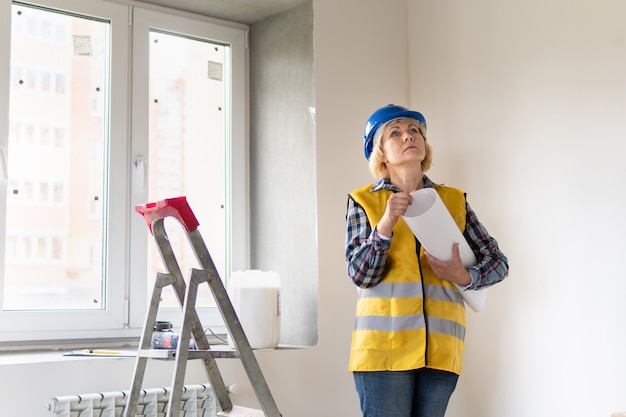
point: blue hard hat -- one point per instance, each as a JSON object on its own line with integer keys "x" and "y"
{"x": 382, "y": 116}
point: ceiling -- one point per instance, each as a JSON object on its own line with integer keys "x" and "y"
{"x": 241, "y": 11}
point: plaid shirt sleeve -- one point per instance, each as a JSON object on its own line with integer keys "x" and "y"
{"x": 366, "y": 250}
{"x": 492, "y": 264}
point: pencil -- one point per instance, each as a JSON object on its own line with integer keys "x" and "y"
{"x": 102, "y": 352}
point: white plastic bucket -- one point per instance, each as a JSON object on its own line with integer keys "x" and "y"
{"x": 255, "y": 296}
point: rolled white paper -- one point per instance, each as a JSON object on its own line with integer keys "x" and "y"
{"x": 431, "y": 222}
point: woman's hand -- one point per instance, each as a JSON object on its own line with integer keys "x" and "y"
{"x": 452, "y": 270}
{"x": 396, "y": 207}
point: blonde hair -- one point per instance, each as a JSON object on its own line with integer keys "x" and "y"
{"x": 376, "y": 164}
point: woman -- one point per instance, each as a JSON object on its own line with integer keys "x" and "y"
{"x": 407, "y": 343}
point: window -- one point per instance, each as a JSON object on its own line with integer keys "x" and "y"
{"x": 196, "y": 145}
{"x": 76, "y": 261}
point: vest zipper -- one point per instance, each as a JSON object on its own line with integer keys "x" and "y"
{"x": 418, "y": 246}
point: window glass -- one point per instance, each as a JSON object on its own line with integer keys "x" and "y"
{"x": 186, "y": 141}
{"x": 56, "y": 257}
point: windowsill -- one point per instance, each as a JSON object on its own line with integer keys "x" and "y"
{"x": 20, "y": 358}
{"x": 53, "y": 351}
{"x": 52, "y": 346}
{"x": 61, "y": 354}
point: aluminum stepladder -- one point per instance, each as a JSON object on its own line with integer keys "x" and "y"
{"x": 186, "y": 293}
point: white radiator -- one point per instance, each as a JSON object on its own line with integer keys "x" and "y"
{"x": 197, "y": 401}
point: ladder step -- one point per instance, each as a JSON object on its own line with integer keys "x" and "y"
{"x": 237, "y": 411}
{"x": 193, "y": 354}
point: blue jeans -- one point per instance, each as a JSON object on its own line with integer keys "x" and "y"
{"x": 418, "y": 393}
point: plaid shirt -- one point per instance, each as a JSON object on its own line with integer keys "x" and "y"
{"x": 366, "y": 249}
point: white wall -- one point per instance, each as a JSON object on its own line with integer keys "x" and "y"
{"x": 526, "y": 105}
{"x": 282, "y": 166}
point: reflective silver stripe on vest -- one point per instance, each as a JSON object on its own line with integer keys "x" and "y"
{"x": 411, "y": 289}
{"x": 437, "y": 292}
{"x": 392, "y": 290}
{"x": 436, "y": 325}
{"x": 389, "y": 324}
{"x": 416, "y": 321}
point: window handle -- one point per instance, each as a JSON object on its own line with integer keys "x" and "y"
{"x": 3, "y": 162}
{"x": 141, "y": 163}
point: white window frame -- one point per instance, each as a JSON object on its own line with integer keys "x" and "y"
{"x": 237, "y": 145}
{"x": 127, "y": 285}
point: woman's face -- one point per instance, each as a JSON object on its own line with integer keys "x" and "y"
{"x": 403, "y": 143}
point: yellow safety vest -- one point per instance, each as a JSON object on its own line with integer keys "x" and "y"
{"x": 411, "y": 319}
